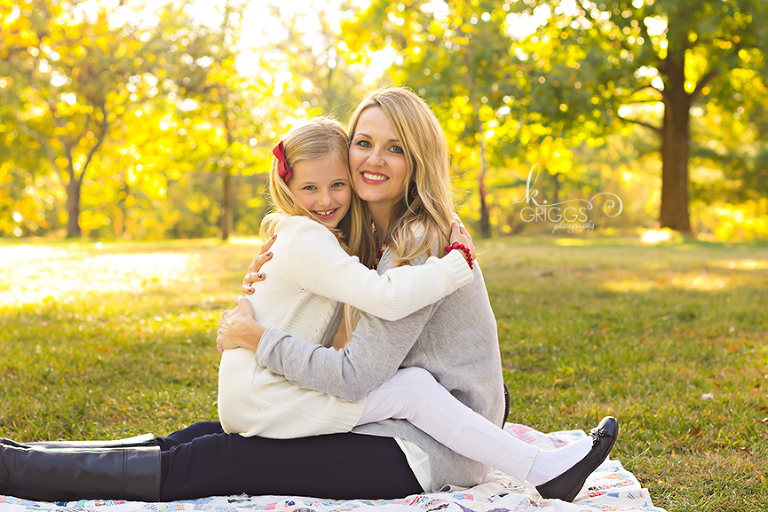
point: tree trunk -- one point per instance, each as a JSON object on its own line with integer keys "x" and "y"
{"x": 675, "y": 134}
{"x": 73, "y": 208}
{"x": 226, "y": 204}
{"x": 485, "y": 218}
{"x": 122, "y": 216}
{"x": 227, "y": 200}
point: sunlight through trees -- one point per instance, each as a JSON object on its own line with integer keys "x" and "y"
{"x": 151, "y": 119}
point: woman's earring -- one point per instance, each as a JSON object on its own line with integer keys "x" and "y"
{"x": 414, "y": 191}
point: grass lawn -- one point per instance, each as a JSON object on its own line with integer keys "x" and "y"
{"x": 99, "y": 342}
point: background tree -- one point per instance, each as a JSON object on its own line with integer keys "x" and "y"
{"x": 210, "y": 79}
{"x": 670, "y": 52}
{"x": 71, "y": 64}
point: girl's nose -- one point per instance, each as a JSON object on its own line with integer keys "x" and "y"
{"x": 325, "y": 198}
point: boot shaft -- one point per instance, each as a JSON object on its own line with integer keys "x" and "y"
{"x": 71, "y": 474}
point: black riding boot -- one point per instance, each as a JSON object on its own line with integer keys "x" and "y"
{"x": 70, "y": 474}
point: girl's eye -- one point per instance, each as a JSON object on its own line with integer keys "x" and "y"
{"x": 308, "y": 187}
{"x": 339, "y": 184}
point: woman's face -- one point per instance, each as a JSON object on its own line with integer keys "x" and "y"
{"x": 322, "y": 187}
{"x": 377, "y": 160}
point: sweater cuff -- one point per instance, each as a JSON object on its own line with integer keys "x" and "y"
{"x": 456, "y": 263}
{"x": 269, "y": 339}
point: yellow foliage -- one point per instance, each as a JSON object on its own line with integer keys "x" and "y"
{"x": 735, "y": 222}
{"x": 72, "y": 31}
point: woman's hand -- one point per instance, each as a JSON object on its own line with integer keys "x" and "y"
{"x": 238, "y": 328}
{"x": 253, "y": 275}
{"x": 459, "y": 234}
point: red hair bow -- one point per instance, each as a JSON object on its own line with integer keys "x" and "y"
{"x": 284, "y": 171}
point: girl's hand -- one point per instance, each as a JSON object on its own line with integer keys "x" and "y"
{"x": 238, "y": 328}
{"x": 459, "y": 234}
{"x": 253, "y": 275}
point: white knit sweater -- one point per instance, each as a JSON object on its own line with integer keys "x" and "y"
{"x": 307, "y": 281}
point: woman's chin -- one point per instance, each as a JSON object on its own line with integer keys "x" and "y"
{"x": 378, "y": 200}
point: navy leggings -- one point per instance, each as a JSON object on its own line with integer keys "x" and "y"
{"x": 201, "y": 460}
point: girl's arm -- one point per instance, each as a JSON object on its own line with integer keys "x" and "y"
{"x": 316, "y": 262}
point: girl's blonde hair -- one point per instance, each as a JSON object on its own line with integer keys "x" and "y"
{"x": 317, "y": 139}
{"x": 429, "y": 211}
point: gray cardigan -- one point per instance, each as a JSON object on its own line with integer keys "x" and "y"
{"x": 455, "y": 339}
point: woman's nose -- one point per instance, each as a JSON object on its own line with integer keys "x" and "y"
{"x": 375, "y": 159}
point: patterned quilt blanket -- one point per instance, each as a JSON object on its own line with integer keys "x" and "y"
{"x": 610, "y": 488}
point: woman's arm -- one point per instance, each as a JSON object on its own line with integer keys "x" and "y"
{"x": 374, "y": 354}
{"x": 316, "y": 262}
{"x": 238, "y": 328}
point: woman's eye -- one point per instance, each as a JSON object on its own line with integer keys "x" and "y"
{"x": 397, "y": 149}
{"x": 364, "y": 143}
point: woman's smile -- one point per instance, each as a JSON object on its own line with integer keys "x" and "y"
{"x": 373, "y": 178}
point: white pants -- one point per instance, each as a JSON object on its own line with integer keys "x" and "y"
{"x": 413, "y": 394}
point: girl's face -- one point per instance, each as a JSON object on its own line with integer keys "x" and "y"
{"x": 322, "y": 187}
{"x": 377, "y": 160}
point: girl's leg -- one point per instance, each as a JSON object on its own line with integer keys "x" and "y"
{"x": 413, "y": 394}
{"x": 338, "y": 466}
{"x": 187, "y": 434}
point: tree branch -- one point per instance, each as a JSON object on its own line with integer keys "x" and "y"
{"x": 646, "y": 36}
{"x": 642, "y": 123}
{"x": 104, "y": 125}
{"x": 45, "y": 143}
{"x": 642, "y": 88}
{"x": 84, "y": 133}
{"x": 703, "y": 83}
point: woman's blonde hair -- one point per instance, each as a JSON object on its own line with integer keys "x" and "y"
{"x": 428, "y": 211}
{"x": 316, "y": 139}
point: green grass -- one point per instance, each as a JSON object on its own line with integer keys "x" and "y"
{"x": 672, "y": 339}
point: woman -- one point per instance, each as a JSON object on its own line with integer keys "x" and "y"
{"x": 407, "y": 189}
{"x": 399, "y": 167}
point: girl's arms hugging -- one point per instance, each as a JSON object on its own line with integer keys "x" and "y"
{"x": 311, "y": 257}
